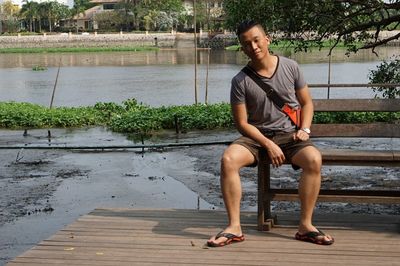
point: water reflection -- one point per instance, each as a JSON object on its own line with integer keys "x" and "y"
{"x": 181, "y": 56}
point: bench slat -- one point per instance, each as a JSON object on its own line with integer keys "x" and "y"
{"x": 347, "y": 155}
{"x": 342, "y": 198}
{"x": 377, "y": 130}
{"x": 358, "y": 157}
{"x": 356, "y": 196}
{"x": 357, "y": 105}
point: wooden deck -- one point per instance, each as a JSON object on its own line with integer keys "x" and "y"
{"x": 177, "y": 237}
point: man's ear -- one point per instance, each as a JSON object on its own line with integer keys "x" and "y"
{"x": 268, "y": 38}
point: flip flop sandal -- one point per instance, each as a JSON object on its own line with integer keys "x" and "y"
{"x": 230, "y": 238}
{"x": 314, "y": 237}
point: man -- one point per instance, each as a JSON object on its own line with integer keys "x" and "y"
{"x": 264, "y": 125}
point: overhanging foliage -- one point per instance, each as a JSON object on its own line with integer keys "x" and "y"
{"x": 356, "y": 23}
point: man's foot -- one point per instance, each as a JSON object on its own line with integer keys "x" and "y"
{"x": 223, "y": 239}
{"x": 316, "y": 237}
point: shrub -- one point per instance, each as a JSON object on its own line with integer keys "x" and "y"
{"x": 387, "y": 72}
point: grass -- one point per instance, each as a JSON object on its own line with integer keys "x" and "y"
{"x": 292, "y": 44}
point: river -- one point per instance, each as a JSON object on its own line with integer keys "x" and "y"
{"x": 164, "y": 77}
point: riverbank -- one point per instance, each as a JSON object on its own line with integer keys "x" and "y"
{"x": 69, "y": 40}
{"x": 145, "y": 39}
{"x": 41, "y": 191}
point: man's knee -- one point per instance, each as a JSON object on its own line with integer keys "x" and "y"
{"x": 228, "y": 162}
{"x": 309, "y": 159}
{"x": 235, "y": 157}
{"x": 314, "y": 161}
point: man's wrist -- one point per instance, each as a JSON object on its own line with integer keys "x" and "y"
{"x": 307, "y": 130}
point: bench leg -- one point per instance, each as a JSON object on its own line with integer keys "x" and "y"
{"x": 264, "y": 215}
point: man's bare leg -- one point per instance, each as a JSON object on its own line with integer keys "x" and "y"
{"x": 234, "y": 158}
{"x": 309, "y": 159}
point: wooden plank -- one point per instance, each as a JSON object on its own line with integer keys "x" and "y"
{"x": 373, "y": 130}
{"x": 148, "y": 237}
{"x": 347, "y": 155}
{"x": 355, "y": 157}
{"x": 338, "y": 198}
{"x": 357, "y": 105}
{"x": 396, "y": 155}
{"x": 205, "y": 257}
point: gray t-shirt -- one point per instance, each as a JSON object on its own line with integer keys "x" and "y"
{"x": 262, "y": 113}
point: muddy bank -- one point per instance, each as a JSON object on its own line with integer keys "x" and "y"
{"x": 41, "y": 191}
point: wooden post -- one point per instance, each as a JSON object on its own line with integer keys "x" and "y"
{"x": 195, "y": 52}
{"x": 208, "y": 66}
{"x": 264, "y": 217}
{"x": 329, "y": 76}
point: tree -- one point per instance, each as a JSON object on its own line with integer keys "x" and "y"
{"x": 166, "y": 12}
{"x": 356, "y": 23}
{"x": 79, "y": 7}
{"x": 109, "y": 21}
{"x": 50, "y": 12}
{"x": 124, "y": 7}
{"x": 29, "y": 12}
{"x": 9, "y": 16}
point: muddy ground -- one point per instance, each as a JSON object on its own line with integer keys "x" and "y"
{"x": 41, "y": 191}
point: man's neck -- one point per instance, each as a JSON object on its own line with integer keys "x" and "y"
{"x": 266, "y": 66}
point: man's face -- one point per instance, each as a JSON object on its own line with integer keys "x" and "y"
{"x": 254, "y": 43}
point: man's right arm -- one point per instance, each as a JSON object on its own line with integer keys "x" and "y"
{"x": 240, "y": 116}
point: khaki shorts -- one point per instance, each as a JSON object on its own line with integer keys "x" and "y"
{"x": 284, "y": 140}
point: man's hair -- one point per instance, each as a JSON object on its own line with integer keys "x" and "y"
{"x": 245, "y": 26}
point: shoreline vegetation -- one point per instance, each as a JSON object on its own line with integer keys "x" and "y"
{"x": 292, "y": 44}
{"x": 137, "y": 118}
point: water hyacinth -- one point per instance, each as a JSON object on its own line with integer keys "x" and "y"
{"x": 134, "y": 117}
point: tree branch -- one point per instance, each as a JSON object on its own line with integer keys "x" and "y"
{"x": 381, "y": 42}
{"x": 366, "y": 26}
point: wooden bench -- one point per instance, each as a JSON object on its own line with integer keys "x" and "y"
{"x": 387, "y": 158}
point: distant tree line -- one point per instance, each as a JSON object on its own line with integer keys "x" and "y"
{"x": 127, "y": 15}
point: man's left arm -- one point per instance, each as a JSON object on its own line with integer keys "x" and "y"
{"x": 307, "y": 112}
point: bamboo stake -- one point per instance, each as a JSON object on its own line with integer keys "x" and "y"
{"x": 195, "y": 52}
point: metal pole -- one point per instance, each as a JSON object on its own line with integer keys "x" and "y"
{"x": 195, "y": 52}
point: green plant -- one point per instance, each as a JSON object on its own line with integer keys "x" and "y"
{"x": 134, "y": 117}
{"x": 39, "y": 68}
{"x": 387, "y": 72}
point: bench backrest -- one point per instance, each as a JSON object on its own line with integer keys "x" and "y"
{"x": 377, "y": 129}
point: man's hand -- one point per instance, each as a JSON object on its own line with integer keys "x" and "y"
{"x": 275, "y": 154}
{"x": 301, "y": 135}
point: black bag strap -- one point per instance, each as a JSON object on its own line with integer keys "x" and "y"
{"x": 266, "y": 87}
